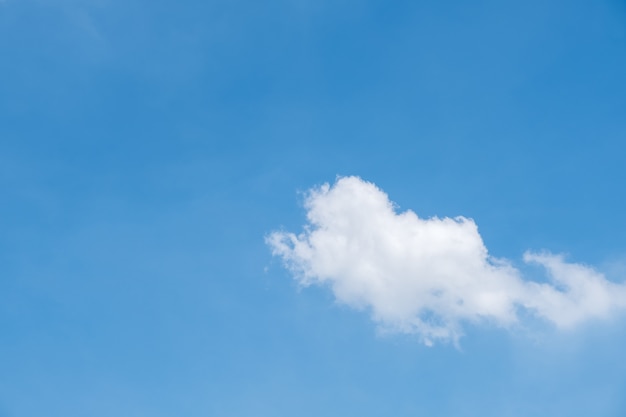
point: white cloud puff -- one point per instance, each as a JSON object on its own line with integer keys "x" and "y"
{"x": 429, "y": 276}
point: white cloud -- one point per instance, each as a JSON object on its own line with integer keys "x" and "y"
{"x": 429, "y": 276}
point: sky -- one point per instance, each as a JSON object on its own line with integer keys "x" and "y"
{"x": 312, "y": 208}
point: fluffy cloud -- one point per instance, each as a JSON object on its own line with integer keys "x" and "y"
{"x": 429, "y": 276}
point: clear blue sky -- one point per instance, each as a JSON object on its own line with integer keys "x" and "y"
{"x": 147, "y": 148}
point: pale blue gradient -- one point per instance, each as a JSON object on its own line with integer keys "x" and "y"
{"x": 147, "y": 148}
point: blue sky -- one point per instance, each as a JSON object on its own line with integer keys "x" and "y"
{"x": 148, "y": 149}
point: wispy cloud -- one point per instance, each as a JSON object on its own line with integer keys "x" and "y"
{"x": 429, "y": 276}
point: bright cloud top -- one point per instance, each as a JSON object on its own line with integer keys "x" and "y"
{"x": 429, "y": 276}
